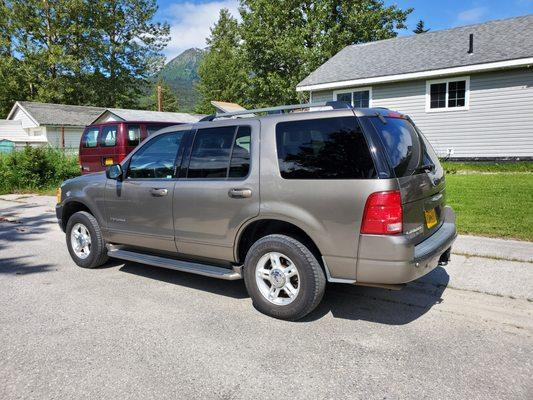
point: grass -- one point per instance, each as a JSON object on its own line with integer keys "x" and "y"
{"x": 492, "y": 200}
{"x": 487, "y": 167}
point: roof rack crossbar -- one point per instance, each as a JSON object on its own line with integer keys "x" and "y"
{"x": 279, "y": 109}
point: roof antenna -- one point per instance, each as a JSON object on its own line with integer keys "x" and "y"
{"x": 471, "y": 44}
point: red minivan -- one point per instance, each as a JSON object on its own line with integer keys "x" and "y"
{"x": 109, "y": 142}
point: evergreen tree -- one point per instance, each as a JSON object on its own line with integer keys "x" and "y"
{"x": 420, "y": 27}
{"x": 169, "y": 98}
{"x": 279, "y": 42}
{"x": 223, "y": 72}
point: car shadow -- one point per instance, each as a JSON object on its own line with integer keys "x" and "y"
{"x": 382, "y": 306}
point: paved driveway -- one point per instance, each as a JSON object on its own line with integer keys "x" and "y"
{"x": 128, "y": 331}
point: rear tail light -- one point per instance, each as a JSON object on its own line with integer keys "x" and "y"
{"x": 383, "y": 214}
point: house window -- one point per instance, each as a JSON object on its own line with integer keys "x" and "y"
{"x": 447, "y": 94}
{"x": 359, "y": 98}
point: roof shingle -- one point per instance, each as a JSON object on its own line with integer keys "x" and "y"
{"x": 494, "y": 41}
{"x": 61, "y": 114}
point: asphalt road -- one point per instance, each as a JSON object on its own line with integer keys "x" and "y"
{"x": 128, "y": 331}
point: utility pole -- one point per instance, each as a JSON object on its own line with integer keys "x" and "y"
{"x": 159, "y": 98}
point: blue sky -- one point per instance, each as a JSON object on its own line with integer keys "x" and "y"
{"x": 190, "y": 20}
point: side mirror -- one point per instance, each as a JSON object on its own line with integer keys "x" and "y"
{"x": 114, "y": 172}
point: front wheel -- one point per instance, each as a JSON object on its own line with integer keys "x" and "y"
{"x": 283, "y": 277}
{"x": 84, "y": 240}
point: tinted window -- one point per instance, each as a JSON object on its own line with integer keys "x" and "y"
{"x": 155, "y": 159}
{"x": 240, "y": 156}
{"x": 331, "y": 148}
{"x": 133, "y": 135}
{"x": 90, "y": 137}
{"x": 406, "y": 150}
{"x": 151, "y": 129}
{"x": 211, "y": 152}
{"x": 109, "y": 136}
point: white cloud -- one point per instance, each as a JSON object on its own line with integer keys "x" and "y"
{"x": 472, "y": 15}
{"x": 190, "y": 23}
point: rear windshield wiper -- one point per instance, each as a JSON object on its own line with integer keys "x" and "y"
{"x": 429, "y": 167}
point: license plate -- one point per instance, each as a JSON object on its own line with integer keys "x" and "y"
{"x": 431, "y": 218}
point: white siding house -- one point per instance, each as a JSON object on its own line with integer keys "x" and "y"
{"x": 469, "y": 89}
{"x": 57, "y": 125}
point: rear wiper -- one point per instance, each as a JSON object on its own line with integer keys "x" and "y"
{"x": 429, "y": 167}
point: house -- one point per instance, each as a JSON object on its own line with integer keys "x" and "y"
{"x": 13, "y": 136}
{"x": 58, "y": 125}
{"x": 122, "y": 115}
{"x": 61, "y": 125}
{"x": 469, "y": 89}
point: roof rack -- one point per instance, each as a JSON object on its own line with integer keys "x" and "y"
{"x": 335, "y": 105}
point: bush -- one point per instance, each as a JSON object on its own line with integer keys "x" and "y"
{"x": 36, "y": 169}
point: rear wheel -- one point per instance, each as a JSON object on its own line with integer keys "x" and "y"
{"x": 84, "y": 240}
{"x": 283, "y": 277}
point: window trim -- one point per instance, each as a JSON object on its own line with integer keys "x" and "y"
{"x": 447, "y": 81}
{"x": 356, "y": 89}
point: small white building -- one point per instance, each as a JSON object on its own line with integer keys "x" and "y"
{"x": 58, "y": 125}
{"x": 13, "y": 136}
{"x": 61, "y": 125}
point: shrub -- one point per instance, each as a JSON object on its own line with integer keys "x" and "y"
{"x": 36, "y": 169}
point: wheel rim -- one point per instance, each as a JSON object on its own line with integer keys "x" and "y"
{"x": 80, "y": 239}
{"x": 277, "y": 278}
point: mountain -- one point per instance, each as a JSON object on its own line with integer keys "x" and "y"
{"x": 180, "y": 73}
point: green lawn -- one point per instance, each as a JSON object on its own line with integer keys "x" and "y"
{"x": 492, "y": 203}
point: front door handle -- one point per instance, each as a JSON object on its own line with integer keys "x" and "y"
{"x": 237, "y": 193}
{"x": 158, "y": 192}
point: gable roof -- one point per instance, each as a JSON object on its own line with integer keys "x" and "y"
{"x": 493, "y": 42}
{"x": 122, "y": 114}
{"x": 57, "y": 114}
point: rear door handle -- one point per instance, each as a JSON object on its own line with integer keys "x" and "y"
{"x": 158, "y": 192}
{"x": 237, "y": 193}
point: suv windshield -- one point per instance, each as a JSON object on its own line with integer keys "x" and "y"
{"x": 408, "y": 151}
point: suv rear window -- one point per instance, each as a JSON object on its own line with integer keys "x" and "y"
{"x": 328, "y": 148}
{"x": 405, "y": 147}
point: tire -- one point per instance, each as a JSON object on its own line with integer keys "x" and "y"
{"x": 279, "y": 252}
{"x": 84, "y": 223}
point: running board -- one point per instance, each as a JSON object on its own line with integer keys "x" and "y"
{"x": 178, "y": 265}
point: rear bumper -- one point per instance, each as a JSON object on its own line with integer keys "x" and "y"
{"x": 395, "y": 259}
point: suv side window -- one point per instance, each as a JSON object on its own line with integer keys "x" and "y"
{"x": 240, "y": 156}
{"x": 327, "y": 148}
{"x": 90, "y": 138}
{"x": 213, "y": 148}
{"x": 156, "y": 159}
{"x": 109, "y": 136}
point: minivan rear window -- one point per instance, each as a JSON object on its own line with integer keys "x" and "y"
{"x": 90, "y": 138}
{"x": 109, "y": 136}
{"x": 327, "y": 148}
{"x": 405, "y": 148}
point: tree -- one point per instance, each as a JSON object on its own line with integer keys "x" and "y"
{"x": 285, "y": 40}
{"x": 420, "y": 27}
{"x": 85, "y": 52}
{"x": 223, "y": 72}
{"x": 279, "y": 42}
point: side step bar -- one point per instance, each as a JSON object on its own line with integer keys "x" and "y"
{"x": 178, "y": 265}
